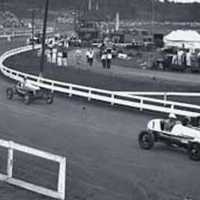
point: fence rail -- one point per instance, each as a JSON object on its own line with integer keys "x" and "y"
{"x": 130, "y": 99}
{"x": 8, "y": 177}
{"x": 22, "y": 33}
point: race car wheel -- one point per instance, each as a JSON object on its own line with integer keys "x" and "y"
{"x": 9, "y": 93}
{"x": 194, "y": 152}
{"x": 27, "y": 99}
{"x": 146, "y": 140}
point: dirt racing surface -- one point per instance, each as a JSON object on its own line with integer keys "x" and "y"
{"x": 104, "y": 161}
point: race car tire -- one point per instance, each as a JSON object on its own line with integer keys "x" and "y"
{"x": 9, "y": 93}
{"x": 146, "y": 140}
{"x": 194, "y": 151}
{"x": 27, "y": 99}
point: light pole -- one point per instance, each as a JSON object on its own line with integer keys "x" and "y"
{"x": 44, "y": 38}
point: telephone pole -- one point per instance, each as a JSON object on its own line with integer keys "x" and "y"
{"x": 33, "y": 27}
{"x": 44, "y": 38}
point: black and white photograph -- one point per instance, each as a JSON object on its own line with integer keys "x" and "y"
{"x": 99, "y": 99}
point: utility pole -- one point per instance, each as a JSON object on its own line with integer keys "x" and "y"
{"x": 152, "y": 16}
{"x": 117, "y": 23}
{"x": 33, "y": 27}
{"x": 44, "y": 38}
{"x": 89, "y": 5}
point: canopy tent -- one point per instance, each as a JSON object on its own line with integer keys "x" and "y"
{"x": 183, "y": 38}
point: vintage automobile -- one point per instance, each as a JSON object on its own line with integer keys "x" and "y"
{"x": 29, "y": 93}
{"x": 185, "y": 136}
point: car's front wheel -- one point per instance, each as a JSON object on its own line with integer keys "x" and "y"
{"x": 146, "y": 140}
{"x": 194, "y": 151}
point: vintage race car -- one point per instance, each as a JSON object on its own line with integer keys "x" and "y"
{"x": 180, "y": 135}
{"x": 29, "y": 93}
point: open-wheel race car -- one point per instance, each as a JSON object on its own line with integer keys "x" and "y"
{"x": 29, "y": 93}
{"x": 174, "y": 134}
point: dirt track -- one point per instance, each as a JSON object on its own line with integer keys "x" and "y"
{"x": 100, "y": 143}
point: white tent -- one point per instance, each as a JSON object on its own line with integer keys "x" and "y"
{"x": 183, "y": 38}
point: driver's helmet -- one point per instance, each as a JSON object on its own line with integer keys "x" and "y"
{"x": 172, "y": 116}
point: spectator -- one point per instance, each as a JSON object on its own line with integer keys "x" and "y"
{"x": 78, "y": 56}
{"x": 64, "y": 57}
{"x": 59, "y": 58}
{"x": 51, "y": 53}
{"x": 87, "y": 55}
{"x": 103, "y": 59}
{"x": 188, "y": 59}
{"x": 91, "y": 57}
{"x": 174, "y": 60}
{"x": 180, "y": 57}
{"x": 54, "y": 55}
{"x": 48, "y": 55}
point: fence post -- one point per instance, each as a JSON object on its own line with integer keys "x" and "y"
{"x": 112, "y": 99}
{"x": 52, "y": 86}
{"x": 172, "y": 108}
{"x": 62, "y": 178}
{"x": 70, "y": 91}
{"x": 10, "y": 160}
{"x": 165, "y": 99}
{"x": 89, "y": 95}
{"x": 141, "y": 104}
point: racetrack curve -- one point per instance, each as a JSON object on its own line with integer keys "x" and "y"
{"x": 100, "y": 143}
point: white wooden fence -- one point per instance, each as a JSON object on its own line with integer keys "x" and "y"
{"x": 23, "y": 33}
{"x": 8, "y": 177}
{"x": 133, "y": 100}
{"x": 163, "y": 95}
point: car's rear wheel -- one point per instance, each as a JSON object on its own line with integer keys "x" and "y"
{"x": 194, "y": 151}
{"x": 27, "y": 99}
{"x": 146, "y": 140}
{"x": 9, "y": 93}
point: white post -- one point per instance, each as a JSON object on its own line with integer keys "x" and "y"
{"x": 52, "y": 87}
{"x": 89, "y": 95}
{"x": 172, "y": 108}
{"x": 165, "y": 99}
{"x": 112, "y": 99}
{"x": 70, "y": 91}
{"x": 62, "y": 178}
{"x": 10, "y": 160}
{"x": 141, "y": 104}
